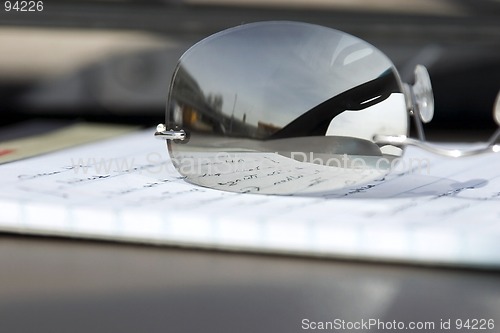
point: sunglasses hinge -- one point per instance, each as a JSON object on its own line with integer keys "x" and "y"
{"x": 163, "y": 133}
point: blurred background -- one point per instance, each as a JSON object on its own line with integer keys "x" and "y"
{"x": 111, "y": 61}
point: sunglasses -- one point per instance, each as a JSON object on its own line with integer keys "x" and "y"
{"x": 290, "y": 108}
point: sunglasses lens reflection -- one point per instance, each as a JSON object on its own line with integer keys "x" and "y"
{"x": 284, "y": 108}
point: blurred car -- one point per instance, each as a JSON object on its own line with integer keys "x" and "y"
{"x": 113, "y": 61}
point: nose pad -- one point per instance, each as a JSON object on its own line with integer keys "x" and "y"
{"x": 419, "y": 99}
{"x": 496, "y": 109}
{"x": 496, "y": 115}
{"x": 421, "y": 95}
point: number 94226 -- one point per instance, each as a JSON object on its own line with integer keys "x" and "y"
{"x": 23, "y": 6}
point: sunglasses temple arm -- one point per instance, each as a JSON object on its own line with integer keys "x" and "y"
{"x": 413, "y": 107}
{"x": 402, "y": 140}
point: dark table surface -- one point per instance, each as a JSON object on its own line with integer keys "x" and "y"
{"x": 58, "y": 285}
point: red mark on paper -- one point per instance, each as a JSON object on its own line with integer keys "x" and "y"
{"x": 6, "y": 151}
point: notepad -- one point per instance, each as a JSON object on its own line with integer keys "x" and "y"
{"x": 126, "y": 189}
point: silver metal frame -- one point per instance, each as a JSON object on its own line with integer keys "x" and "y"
{"x": 163, "y": 133}
{"x": 423, "y": 84}
{"x": 406, "y": 141}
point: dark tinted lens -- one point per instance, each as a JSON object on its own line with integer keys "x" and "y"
{"x": 284, "y": 107}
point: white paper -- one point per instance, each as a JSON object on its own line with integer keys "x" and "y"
{"x": 127, "y": 189}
